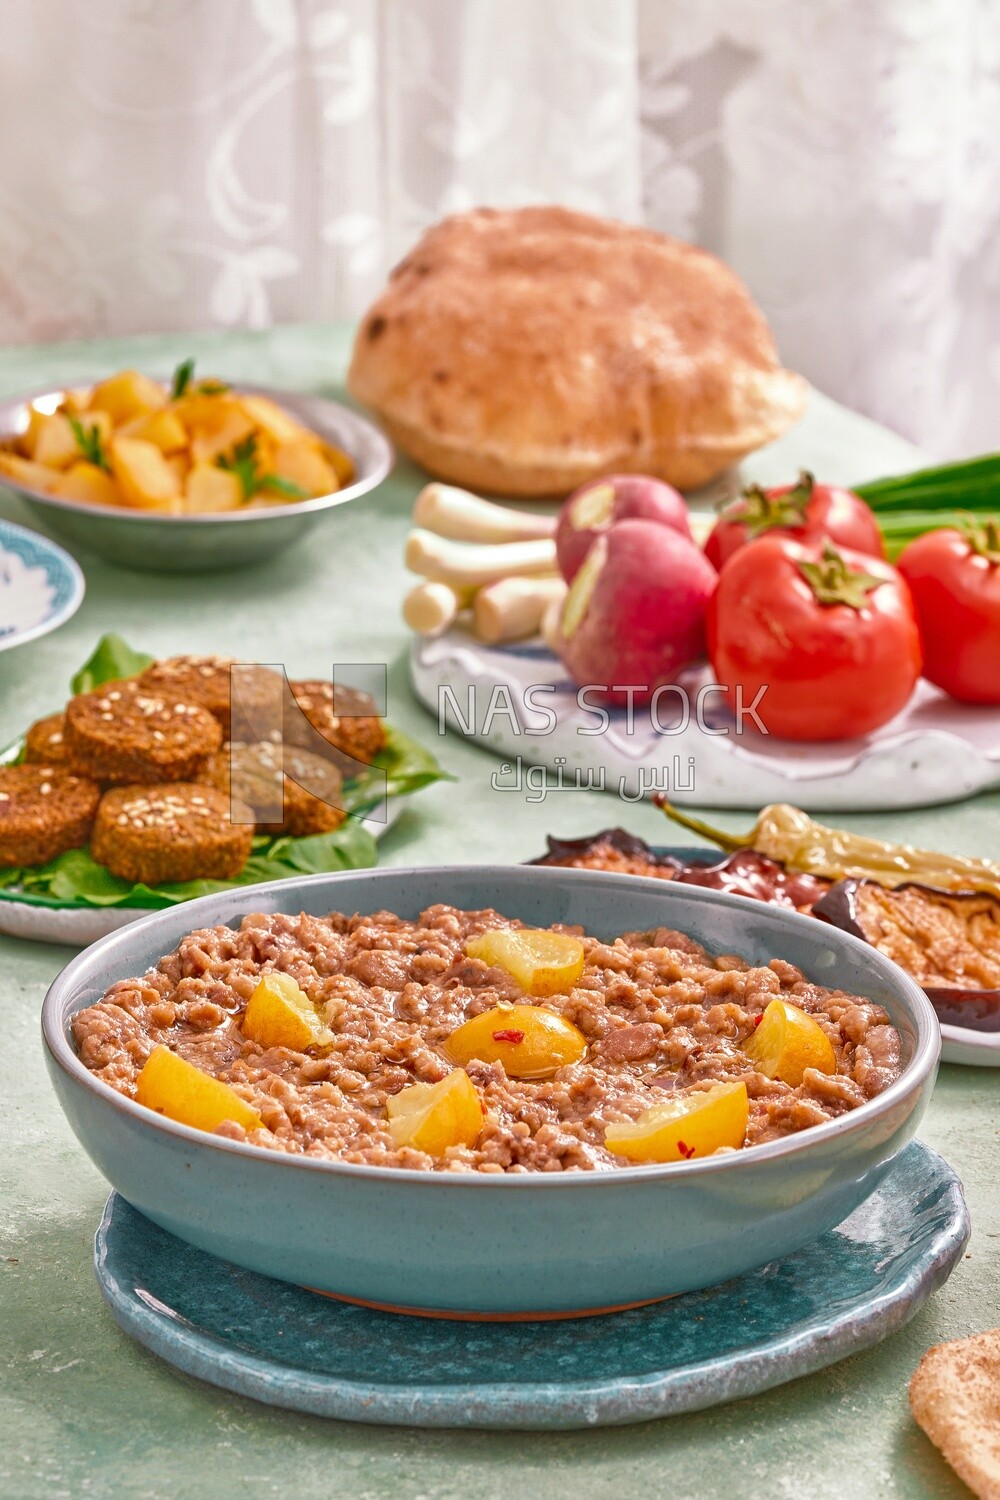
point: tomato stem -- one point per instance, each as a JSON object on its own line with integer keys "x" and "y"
{"x": 983, "y": 539}
{"x": 760, "y": 510}
{"x": 834, "y": 582}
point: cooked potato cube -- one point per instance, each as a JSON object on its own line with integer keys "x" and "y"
{"x": 182, "y": 1092}
{"x": 196, "y": 408}
{"x": 209, "y": 488}
{"x": 24, "y": 471}
{"x": 128, "y": 394}
{"x": 86, "y": 482}
{"x": 302, "y": 463}
{"x": 27, "y": 439}
{"x": 270, "y": 418}
{"x": 146, "y": 479}
{"x": 216, "y": 428}
{"x": 77, "y": 399}
{"x": 341, "y": 463}
{"x": 56, "y": 443}
{"x": 164, "y": 428}
{"x": 181, "y": 465}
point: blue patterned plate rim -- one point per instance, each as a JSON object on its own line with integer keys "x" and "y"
{"x": 843, "y": 1293}
{"x": 62, "y": 571}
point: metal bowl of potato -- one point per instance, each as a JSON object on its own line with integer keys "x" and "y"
{"x": 184, "y": 475}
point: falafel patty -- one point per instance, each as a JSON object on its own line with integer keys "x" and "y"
{"x": 45, "y": 742}
{"x": 123, "y": 732}
{"x": 159, "y": 834}
{"x": 307, "y": 786}
{"x": 347, "y": 720}
{"x": 194, "y": 679}
{"x": 44, "y": 811}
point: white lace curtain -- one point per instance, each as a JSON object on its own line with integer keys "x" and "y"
{"x": 170, "y": 164}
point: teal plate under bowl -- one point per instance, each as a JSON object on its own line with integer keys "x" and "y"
{"x": 293, "y": 1348}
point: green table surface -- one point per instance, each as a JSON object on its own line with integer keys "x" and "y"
{"x": 83, "y": 1410}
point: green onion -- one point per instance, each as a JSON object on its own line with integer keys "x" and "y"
{"x": 908, "y": 505}
{"x": 970, "y": 484}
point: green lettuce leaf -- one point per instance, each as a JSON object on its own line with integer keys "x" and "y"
{"x": 407, "y": 766}
{"x": 76, "y": 879}
{"x": 112, "y": 659}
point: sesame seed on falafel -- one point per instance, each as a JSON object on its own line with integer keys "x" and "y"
{"x": 122, "y": 732}
{"x": 160, "y": 834}
{"x": 44, "y": 810}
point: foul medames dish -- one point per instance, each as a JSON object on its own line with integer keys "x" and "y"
{"x": 463, "y": 1041}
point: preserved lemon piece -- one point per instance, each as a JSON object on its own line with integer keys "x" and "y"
{"x": 433, "y": 1116}
{"x": 684, "y": 1126}
{"x": 542, "y": 962}
{"x": 529, "y": 1040}
{"x": 280, "y": 1014}
{"x": 184, "y": 1093}
{"x": 786, "y": 1042}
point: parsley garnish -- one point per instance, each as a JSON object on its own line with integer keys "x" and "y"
{"x": 88, "y": 440}
{"x": 242, "y": 462}
{"x": 284, "y": 486}
{"x": 183, "y": 376}
{"x": 184, "y": 381}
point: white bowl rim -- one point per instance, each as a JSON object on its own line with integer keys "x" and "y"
{"x": 67, "y": 561}
{"x": 384, "y": 459}
{"x": 56, "y": 1012}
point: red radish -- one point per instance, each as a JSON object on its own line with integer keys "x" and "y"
{"x": 635, "y": 613}
{"x": 600, "y": 504}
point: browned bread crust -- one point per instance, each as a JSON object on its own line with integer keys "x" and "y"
{"x": 523, "y": 351}
{"x": 955, "y": 1397}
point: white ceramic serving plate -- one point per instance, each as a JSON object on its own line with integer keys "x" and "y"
{"x": 935, "y": 751}
{"x": 78, "y": 926}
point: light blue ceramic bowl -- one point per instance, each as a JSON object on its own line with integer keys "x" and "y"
{"x": 484, "y": 1244}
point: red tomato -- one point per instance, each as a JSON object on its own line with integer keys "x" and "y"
{"x": 807, "y": 511}
{"x": 829, "y": 634}
{"x": 954, "y": 578}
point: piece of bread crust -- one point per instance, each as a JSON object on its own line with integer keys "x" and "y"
{"x": 524, "y": 351}
{"x": 955, "y": 1397}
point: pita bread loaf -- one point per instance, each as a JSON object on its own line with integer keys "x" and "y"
{"x": 524, "y": 351}
{"x": 955, "y": 1396}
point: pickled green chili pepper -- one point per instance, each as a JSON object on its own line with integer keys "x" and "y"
{"x": 789, "y": 836}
